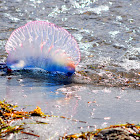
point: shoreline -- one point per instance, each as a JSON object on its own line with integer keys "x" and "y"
{"x": 9, "y": 115}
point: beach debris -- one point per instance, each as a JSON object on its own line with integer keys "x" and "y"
{"x": 113, "y": 132}
{"x": 8, "y": 115}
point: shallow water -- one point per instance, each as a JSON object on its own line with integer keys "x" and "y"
{"x": 108, "y": 34}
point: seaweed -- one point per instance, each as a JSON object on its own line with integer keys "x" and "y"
{"x": 8, "y": 114}
{"x": 123, "y": 131}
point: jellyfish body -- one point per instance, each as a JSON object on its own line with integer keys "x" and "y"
{"x": 40, "y": 44}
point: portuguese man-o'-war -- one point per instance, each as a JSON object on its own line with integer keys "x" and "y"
{"x": 43, "y": 45}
